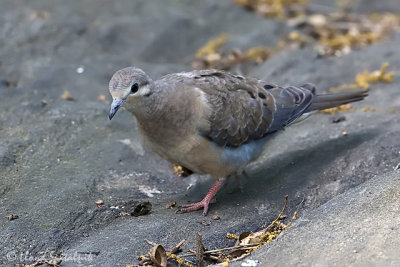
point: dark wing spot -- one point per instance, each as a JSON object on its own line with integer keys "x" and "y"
{"x": 251, "y": 94}
{"x": 268, "y": 86}
{"x": 261, "y": 95}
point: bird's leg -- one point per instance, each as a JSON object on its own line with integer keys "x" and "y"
{"x": 239, "y": 182}
{"x": 245, "y": 174}
{"x": 206, "y": 200}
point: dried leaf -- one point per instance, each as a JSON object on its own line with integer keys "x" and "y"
{"x": 237, "y": 253}
{"x": 158, "y": 256}
{"x": 252, "y": 238}
{"x": 212, "y": 45}
{"x": 241, "y": 237}
{"x": 141, "y": 209}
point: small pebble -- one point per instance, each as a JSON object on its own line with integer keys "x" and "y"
{"x": 99, "y": 203}
{"x": 215, "y": 217}
{"x": 102, "y": 98}
{"x": 337, "y": 119}
{"x": 250, "y": 263}
{"x": 344, "y": 133}
{"x": 80, "y": 69}
{"x": 12, "y": 217}
{"x": 170, "y": 205}
{"x": 397, "y": 167}
{"x": 67, "y": 96}
{"x": 205, "y": 223}
{"x": 44, "y": 102}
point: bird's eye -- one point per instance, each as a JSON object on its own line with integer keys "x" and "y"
{"x": 134, "y": 88}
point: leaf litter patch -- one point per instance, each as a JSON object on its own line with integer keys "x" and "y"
{"x": 246, "y": 243}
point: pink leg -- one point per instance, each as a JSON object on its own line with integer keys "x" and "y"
{"x": 206, "y": 200}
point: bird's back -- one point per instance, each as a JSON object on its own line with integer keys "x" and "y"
{"x": 230, "y": 116}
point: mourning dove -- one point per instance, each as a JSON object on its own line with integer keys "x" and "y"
{"x": 211, "y": 121}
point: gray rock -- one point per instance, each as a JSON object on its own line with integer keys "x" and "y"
{"x": 360, "y": 227}
{"x": 57, "y": 159}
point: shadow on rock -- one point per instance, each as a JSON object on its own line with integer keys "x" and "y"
{"x": 307, "y": 173}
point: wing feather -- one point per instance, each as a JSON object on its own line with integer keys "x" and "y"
{"x": 243, "y": 109}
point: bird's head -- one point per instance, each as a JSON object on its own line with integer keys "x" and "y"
{"x": 129, "y": 85}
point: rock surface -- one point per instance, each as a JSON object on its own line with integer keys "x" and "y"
{"x": 58, "y": 156}
{"x": 357, "y": 228}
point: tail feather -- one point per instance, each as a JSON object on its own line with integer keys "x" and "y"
{"x": 333, "y": 100}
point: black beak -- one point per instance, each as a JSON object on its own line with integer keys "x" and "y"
{"x": 115, "y": 105}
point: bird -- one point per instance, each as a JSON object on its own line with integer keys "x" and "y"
{"x": 212, "y": 121}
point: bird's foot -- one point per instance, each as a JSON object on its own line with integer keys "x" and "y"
{"x": 197, "y": 206}
{"x": 209, "y": 198}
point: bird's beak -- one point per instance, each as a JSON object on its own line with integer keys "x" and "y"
{"x": 115, "y": 105}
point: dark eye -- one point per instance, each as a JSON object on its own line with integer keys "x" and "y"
{"x": 134, "y": 88}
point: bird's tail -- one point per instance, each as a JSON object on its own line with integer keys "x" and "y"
{"x": 333, "y": 100}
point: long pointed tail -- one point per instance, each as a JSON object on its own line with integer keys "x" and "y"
{"x": 333, "y": 100}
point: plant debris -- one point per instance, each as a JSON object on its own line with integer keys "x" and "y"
{"x": 141, "y": 209}
{"x": 246, "y": 242}
{"x": 338, "y": 33}
{"x": 343, "y": 32}
{"x": 158, "y": 256}
{"x": 181, "y": 171}
{"x": 207, "y": 57}
{"x": 275, "y": 8}
{"x": 177, "y": 248}
{"x": 199, "y": 250}
{"x": 365, "y": 78}
{"x": 67, "y": 96}
{"x": 362, "y": 80}
{"x": 332, "y": 31}
{"x": 335, "y": 110}
{"x": 332, "y": 34}
{"x": 210, "y": 49}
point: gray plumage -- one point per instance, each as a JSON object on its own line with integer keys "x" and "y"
{"x": 211, "y": 121}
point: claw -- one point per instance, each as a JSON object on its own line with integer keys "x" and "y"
{"x": 209, "y": 198}
{"x": 196, "y": 206}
